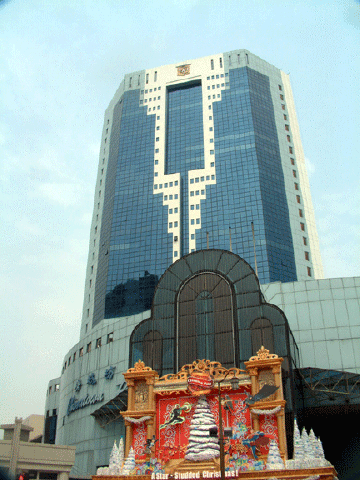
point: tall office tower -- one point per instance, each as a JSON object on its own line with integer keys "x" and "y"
{"x": 200, "y": 154}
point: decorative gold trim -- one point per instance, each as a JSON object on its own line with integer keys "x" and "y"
{"x": 263, "y": 354}
{"x": 215, "y": 370}
{"x": 139, "y": 367}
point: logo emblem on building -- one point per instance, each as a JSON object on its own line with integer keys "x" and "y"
{"x": 183, "y": 70}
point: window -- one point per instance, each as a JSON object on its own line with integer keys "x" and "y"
{"x": 69, "y": 361}
{"x": 298, "y": 198}
{"x": 283, "y": 106}
{"x": 57, "y": 386}
{"x": 307, "y": 256}
{"x": 110, "y": 337}
{"x": 285, "y": 116}
{"x": 212, "y": 64}
{"x": 152, "y": 345}
{"x": 288, "y": 138}
{"x": 291, "y": 150}
{"x": 262, "y": 334}
{"x": 98, "y": 343}
{"x": 139, "y": 80}
{"x": 309, "y": 271}
{"x": 130, "y": 82}
{"x": 282, "y": 97}
{"x": 280, "y": 87}
{"x": 287, "y": 128}
{"x": 294, "y": 173}
{"x": 88, "y": 347}
{"x": 204, "y": 331}
{"x": 296, "y": 186}
{"x": 50, "y": 388}
{"x": 155, "y": 76}
{"x": 147, "y": 79}
{"x": 302, "y": 226}
{"x": 300, "y": 213}
{"x": 292, "y": 160}
{"x": 305, "y": 240}
{"x": 81, "y": 352}
{"x": 221, "y": 64}
{"x": 74, "y": 357}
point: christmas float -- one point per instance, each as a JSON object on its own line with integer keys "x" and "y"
{"x": 207, "y": 421}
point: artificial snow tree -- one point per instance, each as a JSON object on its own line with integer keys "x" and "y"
{"x": 201, "y": 445}
{"x": 129, "y": 464}
{"x": 114, "y": 462}
{"x": 274, "y": 460}
{"x": 121, "y": 450}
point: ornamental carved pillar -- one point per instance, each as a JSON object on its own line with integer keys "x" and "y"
{"x": 265, "y": 369}
{"x": 253, "y": 372}
{"x": 141, "y": 401}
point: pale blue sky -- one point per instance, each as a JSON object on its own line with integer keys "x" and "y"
{"x": 61, "y": 63}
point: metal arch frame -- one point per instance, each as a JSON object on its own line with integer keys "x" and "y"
{"x": 323, "y": 384}
{"x": 110, "y": 411}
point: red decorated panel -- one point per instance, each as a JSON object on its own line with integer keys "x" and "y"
{"x": 174, "y": 414}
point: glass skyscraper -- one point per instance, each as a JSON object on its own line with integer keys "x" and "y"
{"x": 201, "y": 154}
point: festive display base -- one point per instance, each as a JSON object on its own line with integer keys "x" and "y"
{"x": 320, "y": 473}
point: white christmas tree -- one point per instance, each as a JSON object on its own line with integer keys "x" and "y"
{"x": 114, "y": 461}
{"x": 121, "y": 452}
{"x": 274, "y": 460}
{"x": 298, "y": 444}
{"x": 201, "y": 445}
{"x": 129, "y": 464}
{"x": 308, "y": 448}
{"x": 299, "y": 454}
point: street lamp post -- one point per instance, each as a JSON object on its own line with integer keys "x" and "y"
{"x": 234, "y": 385}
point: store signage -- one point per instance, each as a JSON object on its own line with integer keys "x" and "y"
{"x": 200, "y": 383}
{"x": 195, "y": 475}
{"x": 75, "y": 404}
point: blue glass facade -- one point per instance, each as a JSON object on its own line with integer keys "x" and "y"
{"x": 184, "y": 143}
{"x": 249, "y": 180}
{"x": 135, "y": 244}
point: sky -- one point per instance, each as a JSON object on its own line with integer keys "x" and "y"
{"x": 60, "y": 65}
